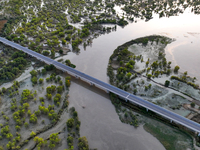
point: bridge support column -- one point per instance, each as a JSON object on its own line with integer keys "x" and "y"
{"x": 170, "y": 121}
{"x": 126, "y": 100}
{"x": 147, "y": 109}
{"x": 199, "y": 134}
{"x": 76, "y": 77}
{"x": 107, "y": 91}
{"x": 91, "y": 84}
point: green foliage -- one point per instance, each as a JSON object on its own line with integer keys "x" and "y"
{"x": 75, "y": 114}
{"x": 33, "y": 118}
{"x": 176, "y": 68}
{"x": 183, "y": 79}
{"x": 67, "y": 81}
{"x": 128, "y": 75}
{"x": 57, "y": 98}
{"x": 44, "y": 71}
{"x": 5, "y": 130}
{"x": 70, "y": 123}
{"x": 60, "y": 89}
{"x": 145, "y": 41}
{"x": 167, "y": 83}
{"x": 54, "y": 139}
{"x": 149, "y": 76}
{"x": 70, "y": 141}
{"x": 192, "y": 104}
{"x": 40, "y": 141}
{"x": 33, "y": 73}
{"x": 68, "y": 63}
{"x": 83, "y": 143}
{"x": 44, "y": 110}
{"x": 26, "y": 94}
{"x": 49, "y": 96}
{"x": 51, "y": 89}
{"x": 34, "y": 80}
{"x": 47, "y": 79}
{"x": 26, "y": 124}
{"x": 17, "y": 127}
{"x": 46, "y": 53}
{"x": 3, "y": 89}
{"x": 41, "y": 80}
{"x": 32, "y": 134}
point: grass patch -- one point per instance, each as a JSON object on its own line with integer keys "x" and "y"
{"x": 170, "y": 139}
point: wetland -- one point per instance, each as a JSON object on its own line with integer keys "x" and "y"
{"x": 87, "y": 33}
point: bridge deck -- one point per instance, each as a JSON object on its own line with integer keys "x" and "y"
{"x": 137, "y": 100}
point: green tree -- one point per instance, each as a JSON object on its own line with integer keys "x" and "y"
{"x": 34, "y": 80}
{"x": 70, "y": 140}
{"x": 167, "y": 83}
{"x": 49, "y": 96}
{"x": 60, "y": 89}
{"x": 149, "y": 76}
{"x": 32, "y": 134}
{"x": 83, "y": 143}
{"x": 176, "y": 68}
{"x": 70, "y": 122}
{"x": 33, "y": 73}
{"x": 128, "y": 75}
{"x": 67, "y": 81}
{"x": 33, "y": 118}
{"x": 41, "y": 80}
{"x": 46, "y": 53}
{"x": 54, "y": 139}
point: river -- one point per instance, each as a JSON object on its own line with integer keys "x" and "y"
{"x": 183, "y": 52}
{"x": 99, "y": 121}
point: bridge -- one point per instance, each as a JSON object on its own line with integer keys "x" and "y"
{"x": 109, "y": 88}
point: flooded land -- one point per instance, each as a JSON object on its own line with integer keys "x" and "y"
{"x": 44, "y": 108}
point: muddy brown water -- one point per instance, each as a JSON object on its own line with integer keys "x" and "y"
{"x": 99, "y": 121}
{"x": 183, "y": 52}
{"x": 101, "y": 125}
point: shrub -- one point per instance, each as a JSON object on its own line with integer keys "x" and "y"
{"x": 41, "y": 80}
{"x": 167, "y": 83}
{"x": 192, "y": 104}
{"x": 70, "y": 122}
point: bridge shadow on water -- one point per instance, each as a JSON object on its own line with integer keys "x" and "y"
{"x": 90, "y": 87}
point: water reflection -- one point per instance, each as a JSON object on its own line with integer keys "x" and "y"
{"x": 106, "y": 131}
{"x": 184, "y": 51}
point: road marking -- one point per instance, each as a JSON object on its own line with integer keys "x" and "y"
{"x": 127, "y": 96}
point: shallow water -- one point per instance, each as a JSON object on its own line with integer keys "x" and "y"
{"x": 101, "y": 125}
{"x": 184, "y": 51}
{"x": 99, "y": 121}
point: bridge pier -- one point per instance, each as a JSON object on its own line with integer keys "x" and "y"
{"x": 199, "y": 134}
{"x": 147, "y": 109}
{"x": 170, "y": 121}
{"x": 91, "y": 84}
